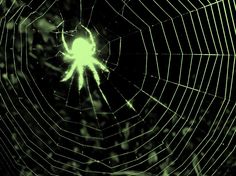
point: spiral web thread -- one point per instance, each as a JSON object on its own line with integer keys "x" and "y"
{"x": 166, "y": 107}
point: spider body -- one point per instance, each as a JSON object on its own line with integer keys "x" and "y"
{"x": 82, "y": 56}
{"x": 81, "y": 48}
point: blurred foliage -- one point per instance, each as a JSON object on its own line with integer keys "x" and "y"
{"x": 43, "y": 43}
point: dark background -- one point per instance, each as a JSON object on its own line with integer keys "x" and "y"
{"x": 184, "y": 102}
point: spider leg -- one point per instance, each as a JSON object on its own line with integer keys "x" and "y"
{"x": 69, "y": 72}
{"x": 95, "y": 74}
{"x": 91, "y": 38}
{"x": 81, "y": 77}
{"x": 66, "y": 55}
{"x": 64, "y": 42}
{"x": 103, "y": 67}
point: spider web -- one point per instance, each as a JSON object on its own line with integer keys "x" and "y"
{"x": 167, "y": 106}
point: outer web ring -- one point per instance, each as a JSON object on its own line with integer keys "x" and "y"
{"x": 167, "y": 107}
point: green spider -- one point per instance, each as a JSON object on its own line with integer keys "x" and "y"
{"x": 81, "y": 55}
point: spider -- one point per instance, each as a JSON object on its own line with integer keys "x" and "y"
{"x": 82, "y": 56}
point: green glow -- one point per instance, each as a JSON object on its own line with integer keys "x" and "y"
{"x": 130, "y": 105}
{"x": 82, "y": 49}
{"x": 81, "y": 55}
